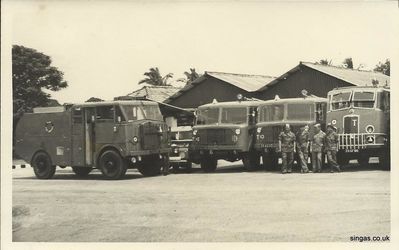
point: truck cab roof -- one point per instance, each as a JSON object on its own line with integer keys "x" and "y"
{"x": 231, "y": 104}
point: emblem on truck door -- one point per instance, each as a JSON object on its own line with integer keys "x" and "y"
{"x": 49, "y": 126}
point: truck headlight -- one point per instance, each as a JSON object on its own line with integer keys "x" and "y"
{"x": 369, "y": 129}
{"x": 333, "y": 122}
{"x": 238, "y": 131}
{"x": 135, "y": 139}
{"x": 259, "y": 130}
{"x": 195, "y": 132}
{"x": 370, "y": 139}
{"x": 262, "y": 137}
{"x": 176, "y": 150}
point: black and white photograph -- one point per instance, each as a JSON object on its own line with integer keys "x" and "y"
{"x": 161, "y": 123}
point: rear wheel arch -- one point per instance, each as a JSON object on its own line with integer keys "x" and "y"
{"x": 37, "y": 152}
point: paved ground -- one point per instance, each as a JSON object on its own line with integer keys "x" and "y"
{"x": 229, "y": 205}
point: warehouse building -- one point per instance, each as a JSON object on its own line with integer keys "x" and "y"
{"x": 220, "y": 86}
{"x": 318, "y": 79}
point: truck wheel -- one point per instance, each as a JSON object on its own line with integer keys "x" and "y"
{"x": 363, "y": 160}
{"x": 342, "y": 158}
{"x": 151, "y": 166}
{"x": 42, "y": 166}
{"x": 112, "y": 165}
{"x": 209, "y": 164}
{"x": 81, "y": 171}
{"x": 270, "y": 161}
{"x": 175, "y": 167}
{"x": 385, "y": 161}
{"x": 251, "y": 161}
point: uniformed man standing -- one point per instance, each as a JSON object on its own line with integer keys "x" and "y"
{"x": 286, "y": 142}
{"x": 302, "y": 143}
{"x": 316, "y": 148}
{"x": 331, "y": 146}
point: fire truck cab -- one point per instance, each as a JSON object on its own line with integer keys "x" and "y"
{"x": 225, "y": 130}
{"x": 362, "y": 118}
{"x": 274, "y": 114}
{"x": 111, "y": 136}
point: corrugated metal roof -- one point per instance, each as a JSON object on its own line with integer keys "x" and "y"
{"x": 351, "y": 76}
{"x": 157, "y": 93}
{"x": 246, "y": 82}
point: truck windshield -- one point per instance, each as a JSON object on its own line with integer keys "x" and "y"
{"x": 300, "y": 111}
{"x": 151, "y": 112}
{"x": 340, "y": 100}
{"x": 236, "y": 115}
{"x": 363, "y": 99}
{"x": 181, "y": 135}
{"x": 207, "y": 116}
{"x": 271, "y": 113}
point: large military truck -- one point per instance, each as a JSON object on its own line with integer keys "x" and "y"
{"x": 362, "y": 118}
{"x": 274, "y": 114}
{"x": 111, "y": 136}
{"x": 225, "y": 130}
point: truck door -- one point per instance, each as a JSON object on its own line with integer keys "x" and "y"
{"x": 77, "y": 148}
{"x": 89, "y": 134}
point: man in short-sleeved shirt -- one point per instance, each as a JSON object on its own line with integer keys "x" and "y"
{"x": 331, "y": 146}
{"x": 316, "y": 148}
{"x": 302, "y": 142}
{"x": 287, "y": 148}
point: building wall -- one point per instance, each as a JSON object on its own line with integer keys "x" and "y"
{"x": 313, "y": 81}
{"x": 206, "y": 91}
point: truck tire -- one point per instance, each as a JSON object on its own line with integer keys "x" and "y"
{"x": 112, "y": 165}
{"x": 209, "y": 164}
{"x": 81, "y": 171}
{"x": 342, "y": 158}
{"x": 270, "y": 161}
{"x": 385, "y": 161}
{"x": 42, "y": 166}
{"x": 151, "y": 166}
{"x": 251, "y": 161}
{"x": 363, "y": 160}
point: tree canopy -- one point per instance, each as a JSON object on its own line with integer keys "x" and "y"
{"x": 348, "y": 63}
{"x": 31, "y": 73}
{"x": 154, "y": 77}
{"x": 384, "y": 68}
{"x": 94, "y": 99}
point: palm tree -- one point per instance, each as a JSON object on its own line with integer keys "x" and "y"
{"x": 190, "y": 76}
{"x": 324, "y": 62}
{"x": 154, "y": 77}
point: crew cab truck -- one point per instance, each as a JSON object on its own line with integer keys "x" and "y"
{"x": 225, "y": 130}
{"x": 111, "y": 136}
{"x": 362, "y": 118}
{"x": 274, "y": 114}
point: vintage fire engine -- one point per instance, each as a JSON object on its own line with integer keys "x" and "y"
{"x": 274, "y": 114}
{"x": 225, "y": 130}
{"x": 362, "y": 117}
{"x": 111, "y": 136}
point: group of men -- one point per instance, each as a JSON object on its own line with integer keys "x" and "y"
{"x": 304, "y": 143}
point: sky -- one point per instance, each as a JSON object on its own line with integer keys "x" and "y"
{"x": 104, "y": 47}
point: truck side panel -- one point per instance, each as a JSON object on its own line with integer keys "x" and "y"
{"x": 49, "y": 132}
